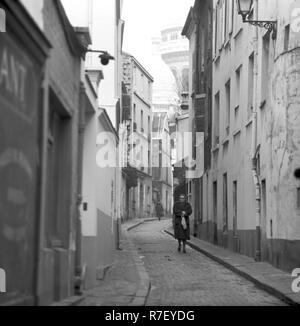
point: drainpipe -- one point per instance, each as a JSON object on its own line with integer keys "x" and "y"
{"x": 78, "y": 254}
{"x": 254, "y": 145}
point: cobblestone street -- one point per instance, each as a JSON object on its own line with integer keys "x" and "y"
{"x": 190, "y": 279}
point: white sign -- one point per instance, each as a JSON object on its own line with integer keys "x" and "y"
{"x": 2, "y": 281}
{"x": 2, "y": 21}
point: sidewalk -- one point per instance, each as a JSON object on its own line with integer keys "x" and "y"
{"x": 126, "y": 283}
{"x": 263, "y": 275}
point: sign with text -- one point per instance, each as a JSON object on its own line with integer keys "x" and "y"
{"x": 19, "y": 100}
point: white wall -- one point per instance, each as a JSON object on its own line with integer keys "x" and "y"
{"x": 100, "y": 17}
{"x": 89, "y": 218}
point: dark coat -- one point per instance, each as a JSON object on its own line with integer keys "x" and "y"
{"x": 159, "y": 210}
{"x": 180, "y": 233}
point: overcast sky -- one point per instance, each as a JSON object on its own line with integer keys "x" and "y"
{"x": 144, "y": 19}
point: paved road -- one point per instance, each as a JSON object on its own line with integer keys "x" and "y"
{"x": 191, "y": 279}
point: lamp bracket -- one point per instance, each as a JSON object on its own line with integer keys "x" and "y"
{"x": 270, "y": 25}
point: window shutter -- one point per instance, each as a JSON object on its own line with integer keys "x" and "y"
{"x": 214, "y": 32}
{"x": 220, "y": 26}
{"x": 231, "y": 15}
{"x": 223, "y": 22}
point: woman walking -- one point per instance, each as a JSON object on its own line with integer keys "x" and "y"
{"x": 159, "y": 210}
{"x": 182, "y": 211}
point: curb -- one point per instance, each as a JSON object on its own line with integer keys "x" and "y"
{"x": 144, "y": 288}
{"x": 271, "y": 290}
{"x": 140, "y": 223}
{"x": 69, "y": 302}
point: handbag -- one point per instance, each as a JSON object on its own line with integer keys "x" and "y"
{"x": 183, "y": 223}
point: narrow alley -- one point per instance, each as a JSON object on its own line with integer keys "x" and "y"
{"x": 129, "y": 127}
{"x": 191, "y": 279}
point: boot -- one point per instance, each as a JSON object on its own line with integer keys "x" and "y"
{"x": 179, "y": 248}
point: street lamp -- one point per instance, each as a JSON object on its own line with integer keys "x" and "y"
{"x": 105, "y": 57}
{"x": 245, "y": 8}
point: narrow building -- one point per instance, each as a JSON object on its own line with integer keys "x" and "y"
{"x": 137, "y": 88}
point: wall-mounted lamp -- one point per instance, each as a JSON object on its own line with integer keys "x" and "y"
{"x": 244, "y": 9}
{"x": 105, "y": 57}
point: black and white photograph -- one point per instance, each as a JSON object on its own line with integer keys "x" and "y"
{"x": 150, "y": 156}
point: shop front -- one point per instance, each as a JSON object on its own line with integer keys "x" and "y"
{"x": 23, "y": 51}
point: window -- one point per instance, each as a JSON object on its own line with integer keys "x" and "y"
{"x": 226, "y": 19}
{"x": 149, "y": 128}
{"x": 216, "y": 27}
{"x": 237, "y": 93}
{"x": 142, "y": 159}
{"x": 287, "y": 38}
{"x": 225, "y": 203}
{"x": 134, "y": 118}
{"x": 142, "y": 121}
{"x": 149, "y": 162}
{"x": 238, "y": 85}
{"x": 217, "y": 119}
{"x": 228, "y": 8}
{"x": 231, "y": 15}
{"x": 160, "y": 154}
{"x": 250, "y": 85}
{"x": 228, "y": 105}
{"x": 265, "y": 67}
{"x": 57, "y": 228}
{"x": 174, "y": 36}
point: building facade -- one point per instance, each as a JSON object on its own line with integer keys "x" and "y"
{"x": 23, "y": 54}
{"x": 251, "y": 203}
{"x": 198, "y": 29}
{"x": 106, "y": 27}
{"x": 99, "y": 235}
{"x": 137, "y": 116}
{"x": 47, "y": 231}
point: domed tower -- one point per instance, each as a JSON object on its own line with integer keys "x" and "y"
{"x": 165, "y": 89}
{"x": 174, "y": 50}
